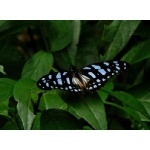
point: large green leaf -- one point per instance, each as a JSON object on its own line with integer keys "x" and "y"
{"x": 22, "y": 94}
{"x": 138, "y": 53}
{"x": 119, "y": 32}
{"x": 142, "y": 93}
{"x": 60, "y": 33}
{"x": 6, "y": 88}
{"x": 90, "y": 108}
{"x": 131, "y": 112}
{"x": 87, "y": 53}
{"x": 103, "y": 95}
{"x": 57, "y": 119}
{"x": 36, "y": 124}
{"x": 130, "y": 101}
{"x": 52, "y": 100}
{"x": 39, "y": 65}
{"x": 72, "y": 49}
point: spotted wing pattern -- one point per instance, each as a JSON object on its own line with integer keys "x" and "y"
{"x": 58, "y": 80}
{"x": 89, "y": 78}
{"x": 99, "y": 73}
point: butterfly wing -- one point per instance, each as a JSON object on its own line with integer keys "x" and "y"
{"x": 58, "y": 80}
{"x": 99, "y": 73}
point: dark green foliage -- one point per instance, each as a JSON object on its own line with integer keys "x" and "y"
{"x": 31, "y": 49}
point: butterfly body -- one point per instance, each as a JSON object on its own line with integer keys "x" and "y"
{"x": 89, "y": 78}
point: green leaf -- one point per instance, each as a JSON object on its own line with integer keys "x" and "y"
{"x": 39, "y": 65}
{"x": 90, "y": 108}
{"x": 103, "y": 95}
{"x": 57, "y": 119}
{"x": 130, "y": 101}
{"x": 60, "y": 34}
{"x": 122, "y": 32}
{"x": 138, "y": 53}
{"x": 22, "y": 94}
{"x": 72, "y": 49}
{"x": 111, "y": 30}
{"x": 142, "y": 93}
{"x": 6, "y": 88}
{"x": 36, "y": 124}
{"x": 52, "y": 100}
{"x": 87, "y": 53}
{"x": 6, "y": 123}
{"x": 4, "y": 106}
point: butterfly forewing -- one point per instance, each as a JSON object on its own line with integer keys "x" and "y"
{"x": 58, "y": 80}
{"x": 99, "y": 73}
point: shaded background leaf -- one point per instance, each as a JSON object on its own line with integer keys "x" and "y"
{"x": 22, "y": 94}
{"x": 39, "y": 65}
{"x": 57, "y": 119}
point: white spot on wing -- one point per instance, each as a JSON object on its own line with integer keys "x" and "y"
{"x": 58, "y": 75}
{"x": 59, "y": 81}
{"x": 68, "y": 80}
{"x": 118, "y": 68}
{"x": 116, "y": 62}
{"x": 103, "y": 79}
{"x": 102, "y": 71}
{"x": 64, "y": 73}
{"x": 47, "y": 84}
{"x": 75, "y": 90}
{"x": 106, "y": 63}
{"x": 86, "y": 68}
{"x": 95, "y": 86}
{"x": 108, "y": 70}
{"x": 50, "y": 76}
{"x": 98, "y": 80}
{"x": 90, "y": 88}
{"x": 44, "y": 81}
{"x": 70, "y": 87}
{"x": 96, "y": 66}
{"x": 92, "y": 74}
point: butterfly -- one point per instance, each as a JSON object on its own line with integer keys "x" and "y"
{"x": 89, "y": 78}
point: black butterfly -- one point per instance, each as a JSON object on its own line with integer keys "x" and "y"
{"x": 89, "y": 78}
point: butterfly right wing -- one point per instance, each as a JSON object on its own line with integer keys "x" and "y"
{"x": 99, "y": 73}
{"x": 58, "y": 80}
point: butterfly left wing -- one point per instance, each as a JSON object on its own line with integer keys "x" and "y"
{"x": 99, "y": 73}
{"x": 58, "y": 80}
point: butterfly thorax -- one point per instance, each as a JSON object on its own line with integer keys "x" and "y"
{"x": 79, "y": 79}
